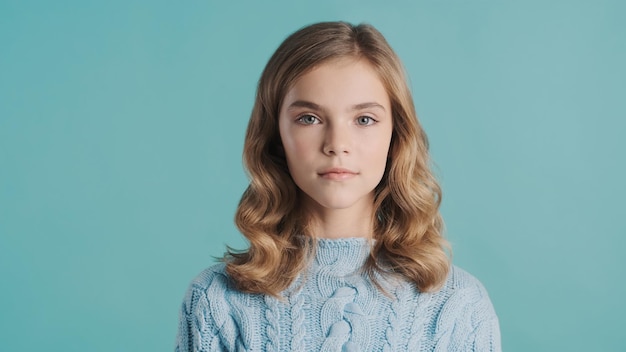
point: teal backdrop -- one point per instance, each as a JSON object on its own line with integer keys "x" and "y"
{"x": 121, "y": 132}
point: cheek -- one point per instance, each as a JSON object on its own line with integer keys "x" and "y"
{"x": 380, "y": 160}
{"x": 298, "y": 148}
{"x": 297, "y": 156}
{"x": 379, "y": 148}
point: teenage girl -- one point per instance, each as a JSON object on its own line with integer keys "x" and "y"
{"x": 342, "y": 217}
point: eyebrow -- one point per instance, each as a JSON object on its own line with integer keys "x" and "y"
{"x": 313, "y": 106}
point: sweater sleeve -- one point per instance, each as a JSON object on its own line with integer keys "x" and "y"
{"x": 486, "y": 336}
{"x": 197, "y": 328}
{"x": 186, "y": 330}
{"x": 468, "y": 321}
{"x": 485, "y": 328}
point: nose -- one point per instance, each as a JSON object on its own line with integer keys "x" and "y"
{"x": 337, "y": 140}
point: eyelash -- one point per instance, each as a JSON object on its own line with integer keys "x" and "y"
{"x": 370, "y": 119}
{"x": 300, "y": 119}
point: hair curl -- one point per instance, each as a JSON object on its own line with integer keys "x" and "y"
{"x": 408, "y": 230}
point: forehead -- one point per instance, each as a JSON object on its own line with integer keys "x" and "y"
{"x": 344, "y": 81}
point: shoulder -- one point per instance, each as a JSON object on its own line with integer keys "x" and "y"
{"x": 207, "y": 316}
{"x": 211, "y": 282}
{"x": 211, "y": 275}
{"x": 460, "y": 280}
{"x": 211, "y": 300}
{"x": 466, "y": 314}
{"x": 463, "y": 291}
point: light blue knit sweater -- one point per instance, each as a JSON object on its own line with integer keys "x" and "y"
{"x": 335, "y": 307}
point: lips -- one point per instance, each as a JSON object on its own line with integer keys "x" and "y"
{"x": 336, "y": 173}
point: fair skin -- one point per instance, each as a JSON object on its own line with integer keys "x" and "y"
{"x": 335, "y": 124}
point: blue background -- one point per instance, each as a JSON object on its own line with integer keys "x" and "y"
{"x": 121, "y": 132}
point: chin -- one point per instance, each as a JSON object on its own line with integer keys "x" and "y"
{"x": 336, "y": 203}
{"x": 336, "y": 206}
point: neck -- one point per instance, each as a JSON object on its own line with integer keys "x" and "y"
{"x": 355, "y": 221}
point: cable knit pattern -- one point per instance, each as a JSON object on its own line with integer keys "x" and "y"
{"x": 272, "y": 328}
{"x": 298, "y": 331}
{"x": 334, "y": 306}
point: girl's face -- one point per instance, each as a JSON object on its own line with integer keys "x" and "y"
{"x": 335, "y": 125}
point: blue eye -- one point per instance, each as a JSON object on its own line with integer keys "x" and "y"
{"x": 308, "y": 120}
{"x": 364, "y": 120}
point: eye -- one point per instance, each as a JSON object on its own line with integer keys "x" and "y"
{"x": 308, "y": 120}
{"x": 365, "y": 121}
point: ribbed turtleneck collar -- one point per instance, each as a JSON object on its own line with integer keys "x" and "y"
{"x": 344, "y": 255}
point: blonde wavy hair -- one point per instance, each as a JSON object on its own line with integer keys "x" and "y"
{"x": 408, "y": 226}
